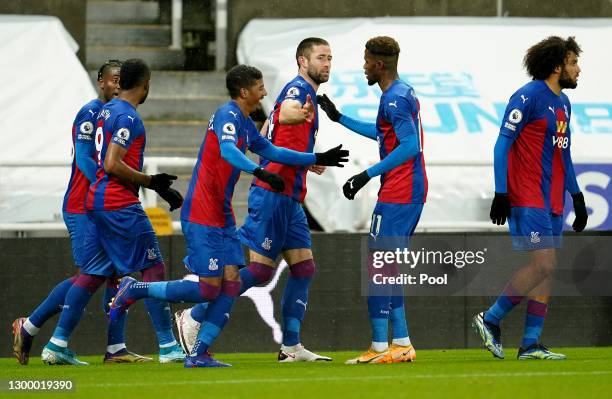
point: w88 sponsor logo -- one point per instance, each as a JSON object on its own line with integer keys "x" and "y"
{"x": 560, "y": 141}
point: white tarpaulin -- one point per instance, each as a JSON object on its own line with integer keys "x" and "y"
{"x": 463, "y": 70}
{"x": 43, "y": 86}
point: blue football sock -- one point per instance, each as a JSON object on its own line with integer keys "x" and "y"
{"x": 75, "y": 302}
{"x": 217, "y": 316}
{"x": 294, "y": 302}
{"x": 398, "y": 322}
{"x": 52, "y": 304}
{"x": 159, "y": 312}
{"x": 248, "y": 279}
{"x": 254, "y": 274}
{"x": 379, "y": 310}
{"x": 534, "y": 322}
{"x": 198, "y": 312}
{"x": 502, "y": 306}
{"x": 176, "y": 291}
{"x": 397, "y": 315}
{"x": 116, "y": 329}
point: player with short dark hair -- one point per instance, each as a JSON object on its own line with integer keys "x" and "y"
{"x": 119, "y": 238}
{"x": 75, "y": 216}
{"x": 403, "y": 189}
{"x": 533, "y": 169}
{"x": 280, "y": 227}
{"x": 214, "y": 251}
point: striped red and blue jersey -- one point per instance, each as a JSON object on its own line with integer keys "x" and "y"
{"x": 119, "y": 123}
{"x": 406, "y": 183}
{"x": 538, "y": 121}
{"x": 209, "y": 198}
{"x": 294, "y": 137}
{"x": 83, "y": 129}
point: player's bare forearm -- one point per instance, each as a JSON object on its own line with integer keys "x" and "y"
{"x": 293, "y": 113}
{"x": 114, "y": 165}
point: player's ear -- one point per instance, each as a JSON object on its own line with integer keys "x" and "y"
{"x": 301, "y": 60}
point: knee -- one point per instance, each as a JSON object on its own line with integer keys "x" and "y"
{"x": 262, "y": 272}
{"x": 546, "y": 267}
{"x": 303, "y": 269}
{"x": 154, "y": 273}
{"x": 89, "y": 282}
{"x": 208, "y": 291}
{"x": 231, "y": 288}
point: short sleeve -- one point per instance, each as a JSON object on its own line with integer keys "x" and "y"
{"x": 295, "y": 92}
{"x": 517, "y": 114}
{"x": 127, "y": 128}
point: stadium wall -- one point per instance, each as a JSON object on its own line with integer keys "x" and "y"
{"x": 242, "y": 11}
{"x": 336, "y": 317}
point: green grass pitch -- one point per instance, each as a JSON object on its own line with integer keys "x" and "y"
{"x": 437, "y": 373}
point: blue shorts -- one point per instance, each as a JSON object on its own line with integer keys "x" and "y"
{"x": 534, "y": 228}
{"x": 77, "y": 223}
{"x": 209, "y": 249}
{"x": 393, "y": 224}
{"x": 275, "y": 223}
{"x": 120, "y": 242}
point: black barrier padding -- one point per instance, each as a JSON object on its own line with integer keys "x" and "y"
{"x": 336, "y": 318}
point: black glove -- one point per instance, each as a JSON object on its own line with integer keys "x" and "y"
{"x": 334, "y": 157}
{"x": 355, "y": 184}
{"x": 161, "y": 182}
{"x": 274, "y": 180}
{"x": 500, "y": 209}
{"x": 581, "y": 212}
{"x": 172, "y": 197}
{"x": 328, "y": 106}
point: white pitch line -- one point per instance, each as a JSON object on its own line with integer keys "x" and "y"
{"x": 362, "y": 378}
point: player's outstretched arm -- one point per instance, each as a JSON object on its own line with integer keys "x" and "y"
{"x": 237, "y": 159}
{"x": 365, "y": 129}
{"x": 571, "y": 185}
{"x": 500, "y": 207}
{"x": 408, "y": 148}
{"x": 333, "y": 157}
{"x": 292, "y": 112}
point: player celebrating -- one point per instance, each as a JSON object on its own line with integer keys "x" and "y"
{"x": 282, "y": 227}
{"x": 533, "y": 168}
{"x": 403, "y": 186}
{"x": 119, "y": 238}
{"x": 213, "y": 248}
{"x": 75, "y": 217}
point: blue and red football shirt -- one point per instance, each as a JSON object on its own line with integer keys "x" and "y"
{"x": 406, "y": 183}
{"x": 538, "y": 121}
{"x": 83, "y": 129}
{"x": 209, "y": 198}
{"x": 117, "y": 123}
{"x": 294, "y": 137}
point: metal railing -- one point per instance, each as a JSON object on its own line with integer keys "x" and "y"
{"x": 148, "y": 198}
{"x": 177, "y": 25}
